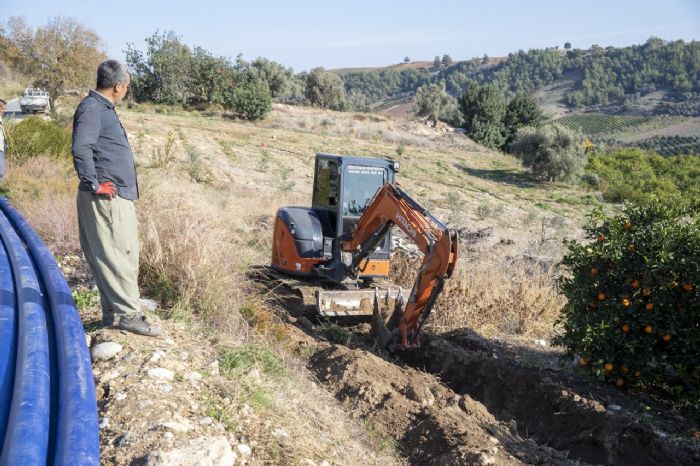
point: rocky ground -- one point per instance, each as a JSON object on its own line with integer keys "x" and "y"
{"x": 155, "y": 400}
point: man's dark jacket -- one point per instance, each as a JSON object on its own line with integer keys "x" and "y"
{"x": 101, "y": 150}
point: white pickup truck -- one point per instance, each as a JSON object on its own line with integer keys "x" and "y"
{"x": 34, "y": 100}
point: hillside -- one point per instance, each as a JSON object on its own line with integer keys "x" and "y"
{"x": 657, "y": 77}
{"x": 645, "y": 95}
{"x": 245, "y": 369}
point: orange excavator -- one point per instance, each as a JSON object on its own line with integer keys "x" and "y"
{"x": 343, "y": 243}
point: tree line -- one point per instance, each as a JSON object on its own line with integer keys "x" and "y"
{"x": 602, "y": 76}
{"x": 62, "y": 56}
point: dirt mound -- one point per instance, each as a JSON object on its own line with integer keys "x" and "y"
{"x": 431, "y": 423}
{"x": 547, "y": 410}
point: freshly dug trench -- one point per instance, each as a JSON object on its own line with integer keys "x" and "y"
{"x": 547, "y": 411}
{"x": 432, "y": 424}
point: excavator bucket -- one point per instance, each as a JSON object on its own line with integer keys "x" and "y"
{"x": 358, "y": 302}
{"x": 385, "y": 319}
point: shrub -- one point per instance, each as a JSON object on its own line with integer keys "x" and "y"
{"x": 33, "y": 137}
{"x": 591, "y": 179}
{"x": 251, "y": 101}
{"x": 633, "y": 312}
{"x": 552, "y": 152}
{"x": 638, "y": 176}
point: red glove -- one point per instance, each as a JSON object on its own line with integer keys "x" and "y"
{"x": 107, "y": 188}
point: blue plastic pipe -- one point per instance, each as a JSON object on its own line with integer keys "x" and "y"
{"x": 27, "y": 436}
{"x": 8, "y": 338}
{"x": 77, "y": 435}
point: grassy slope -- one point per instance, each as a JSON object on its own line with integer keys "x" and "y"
{"x": 277, "y": 155}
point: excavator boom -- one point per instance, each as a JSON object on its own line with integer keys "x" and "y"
{"x": 393, "y": 206}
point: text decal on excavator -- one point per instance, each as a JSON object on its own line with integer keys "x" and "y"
{"x": 406, "y": 226}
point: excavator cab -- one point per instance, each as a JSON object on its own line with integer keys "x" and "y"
{"x": 307, "y": 241}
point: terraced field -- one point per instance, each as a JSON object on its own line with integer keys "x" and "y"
{"x": 594, "y": 124}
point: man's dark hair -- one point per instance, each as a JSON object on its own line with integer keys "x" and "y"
{"x": 111, "y": 72}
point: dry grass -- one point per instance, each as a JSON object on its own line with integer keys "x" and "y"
{"x": 491, "y": 296}
{"x": 43, "y": 189}
{"x": 372, "y": 127}
{"x": 496, "y": 299}
{"x": 187, "y": 258}
{"x": 55, "y": 220}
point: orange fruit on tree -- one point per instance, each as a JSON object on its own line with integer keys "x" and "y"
{"x": 635, "y": 283}
{"x": 625, "y": 302}
{"x": 601, "y": 237}
{"x": 667, "y": 337}
{"x": 649, "y": 329}
{"x": 608, "y": 367}
{"x": 582, "y": 362}
{"x": 594, "y": 271}
{"x": 673, "y": 284}
{"x": 628, "y": 226}
{"x": 649, "y": 306}
{"x": 619, "y": 382}
{"x": 625, "y": 328}
{"x": 624, "y": 369}
{"x": 646, "y": 292}
{"x": 688, "y": 287}
{"x": 601, "y": 296}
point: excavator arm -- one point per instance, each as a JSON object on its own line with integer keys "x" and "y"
{"x": 393, "y": 206}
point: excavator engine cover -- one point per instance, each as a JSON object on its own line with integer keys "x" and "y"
{"x": 298, "y": 242}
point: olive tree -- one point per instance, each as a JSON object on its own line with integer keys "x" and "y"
{"x": 433, "y": 102}
{"x": 324, "y": 89}
{"x": 552, "y": 152}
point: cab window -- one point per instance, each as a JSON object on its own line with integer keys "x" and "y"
{"x": 326, "y": 184}
{"x": 360, "y": 186}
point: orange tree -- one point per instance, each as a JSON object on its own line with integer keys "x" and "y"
{"x": 633, "y": 311}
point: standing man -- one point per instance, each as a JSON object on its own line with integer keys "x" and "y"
{"x": 108, "y": 188}
{"x": 3, "y": 139}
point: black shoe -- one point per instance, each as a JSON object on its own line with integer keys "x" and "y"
{"x": 108, "y": 320}
{"x": 139, "y": 325}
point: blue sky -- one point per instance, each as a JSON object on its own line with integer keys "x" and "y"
{"x": 304, "y": 34}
